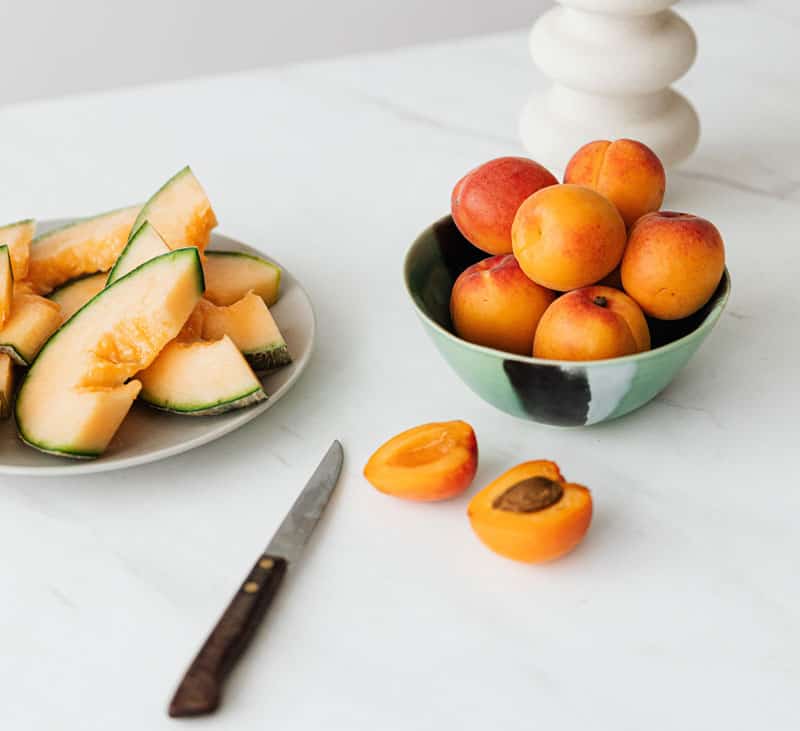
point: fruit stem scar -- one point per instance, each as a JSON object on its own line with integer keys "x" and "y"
{"x": 600, "y": 301}
{"x": 529, "y": 495}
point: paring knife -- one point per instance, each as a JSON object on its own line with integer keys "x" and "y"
{"x": 200, "y": 690}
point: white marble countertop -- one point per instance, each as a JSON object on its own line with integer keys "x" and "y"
{"x": 681, "y": 608}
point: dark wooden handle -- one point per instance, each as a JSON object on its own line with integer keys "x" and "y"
{"x": 200, "y": 690}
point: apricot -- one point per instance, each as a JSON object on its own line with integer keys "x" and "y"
{"x": 567, "y": 236}
{"x": 591, "y": 324}
{"x": 626, "y": 172}
{"x": 673, "y": 264}
{"x": 531, "y": 514}
{"x": 430, "y": 462}
{"x": 485, "y": 200}
{"x": 494, "y": 304}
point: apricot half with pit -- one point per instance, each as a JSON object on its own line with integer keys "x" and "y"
{"x": 531, "y": 514}
{"x": 430, "y": 462}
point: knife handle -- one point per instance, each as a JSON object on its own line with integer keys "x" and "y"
{"x": 200, "y": 690}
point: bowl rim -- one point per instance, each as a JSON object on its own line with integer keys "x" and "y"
{"x": 707, "y": 323}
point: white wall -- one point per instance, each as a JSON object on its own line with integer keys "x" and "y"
{"x": 53, "y": 47}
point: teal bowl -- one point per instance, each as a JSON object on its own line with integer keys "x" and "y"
{"x": 559, "y": 393}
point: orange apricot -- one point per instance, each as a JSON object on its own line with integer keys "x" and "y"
{"x": 567, "y": 236}
{"x": 673, "y": 264}
{"x": 531, "y": 514}
{"x": 626, "y": 172}
{"x": 485, "y": 200}
{"x": 494, "y": 304}
{"x": 430, "y": 462}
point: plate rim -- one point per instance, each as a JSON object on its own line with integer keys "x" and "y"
{"x": 94, "y": 466}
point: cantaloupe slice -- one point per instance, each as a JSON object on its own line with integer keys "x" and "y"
{"x": 249, "y": 324}
{"x": 200, "y": 378}
{"x": 145, "y": 244}
{"x": 230, "y": 275}
{"x": 84, "y": 247}
{"x": 33, "y": 320}
{"x": 6, "y": 385}
{"x": 75, "y": 294}
{"x": 17, "y": 236}
{"x": 180, "y": 211}
{"x": 6, "y": 285}
{"x": 77, "y": 391}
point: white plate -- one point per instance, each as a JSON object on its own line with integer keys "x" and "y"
{"x": 147, "y": 435}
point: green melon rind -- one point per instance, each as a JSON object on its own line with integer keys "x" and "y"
{"x": 65, "y": 451}
{"x": 142, "y": 217}
{"x": 11, "y": 350}
{"x": 241, "y": 401}
{"x": 268, "y": 358}
{"x": 77, "y": 222}
{"x": 69, "y": 283}
{"x": 129, "y": 248}
{"x": 23, "y": 222}
{"x": 260, "y": 260}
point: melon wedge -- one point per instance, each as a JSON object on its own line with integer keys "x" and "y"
{"x": 145, "y": 244}
{"x": 230, "y": 275}
{"x": 6, "y": 285}
{"x": 17, "y": 236}
{"x": 84, "y": 247}
{"x": 200, "y": 378}
{"x": 75, "y": 294}
{"x": 33, "y": 320}
{"x": 77, "y": 392}
{"x": 180, "y": 211}
{"x": 249, "y": 324}
{"x": 6, "y": 385}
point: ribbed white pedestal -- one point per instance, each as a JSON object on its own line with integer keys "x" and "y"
{"x": 611, "y": 62}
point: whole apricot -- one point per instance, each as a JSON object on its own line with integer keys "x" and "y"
{"x": 430, "y": 462}
{"x": 531, "y": 514}
{"x": 673, "y": 264}
{"x": 494, "y": 304}
{"x": 626, "y": 172}
{"x": 485, "y": 200}
{"x": 591, "y": 323}
{"x": 567, "y": 236}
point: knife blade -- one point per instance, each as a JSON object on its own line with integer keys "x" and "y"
{"x": 200, "y": 690}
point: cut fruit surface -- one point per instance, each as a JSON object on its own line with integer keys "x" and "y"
{"x": 6, "y": 285}
{"x": 75, "y": 294}
{"x": 17, "y": 236}
{"x": 200, "y": 378}
{"x": 180, "y": 211}
{"x": 6, "y": 385}
{"x": 249, "y": 324}
{"x": 75, "y": 395}
{"x": 145, "y": 244}
{"x": 230, "y": 275}
{"x": 84, "y": 247}
{"x": 33, "y": 320}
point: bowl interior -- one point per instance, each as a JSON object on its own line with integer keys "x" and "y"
{"x": 441, "y": 253}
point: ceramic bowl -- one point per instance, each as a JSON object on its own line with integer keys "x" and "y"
{"x": 559, "y": 393}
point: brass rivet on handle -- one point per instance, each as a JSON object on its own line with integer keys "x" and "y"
{"x": 266, "y": 563}
{"x": 250, "y": 587}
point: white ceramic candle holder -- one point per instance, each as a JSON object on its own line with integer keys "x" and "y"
{"x": 611, "y": 63}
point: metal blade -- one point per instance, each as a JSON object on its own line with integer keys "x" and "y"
{"x": 293, "y": 534}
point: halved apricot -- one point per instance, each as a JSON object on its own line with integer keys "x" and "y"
{"x": 531, "y": 514}
{"x": 429, "y": 462}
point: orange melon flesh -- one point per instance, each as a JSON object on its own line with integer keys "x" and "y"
{"x": 144, "y": 244}
{"x": 17, "y": 236}
{"x": 84, "y": 247}
{"x": 6, "y": 285}
{"x": 180, "y": 211}
{"x": 74, "y": 295}
{"x": 33, "y": 320}
{"x": 249, "y": 324}
{"x": 6, "y": 385}
{"x": 230, "y": 275}
{"x": 200, "y": 378}
{"x": 77, "y": 392}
